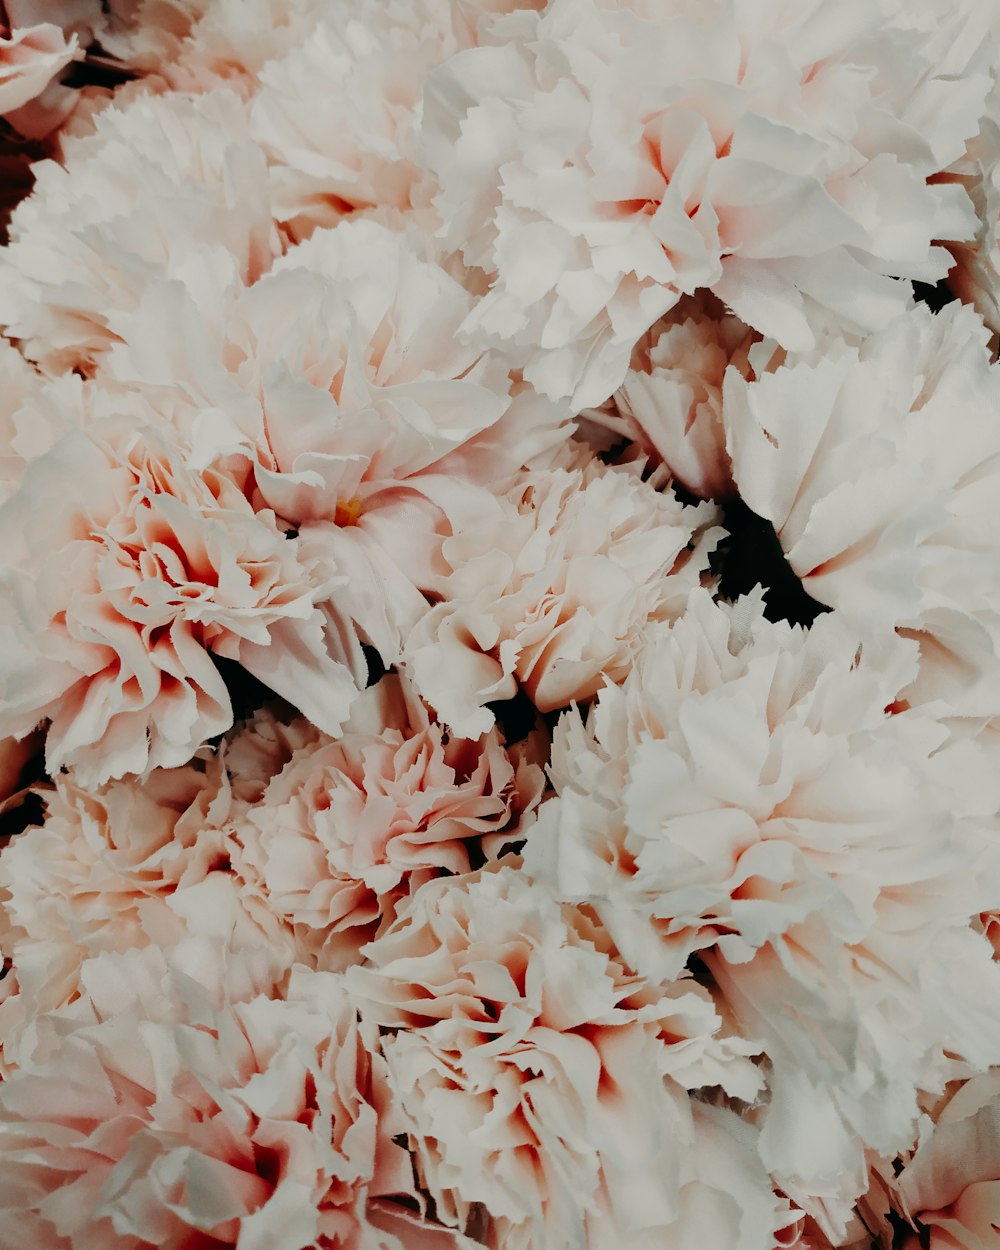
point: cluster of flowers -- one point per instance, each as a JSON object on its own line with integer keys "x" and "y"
{"x": 423, "y": 830}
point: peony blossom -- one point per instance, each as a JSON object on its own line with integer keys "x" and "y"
{"x": 169, "y": 187}
{"x": 598, "y": 161}
{"x": 748, "y": 795}
{"x": 178, "y": 1115}
{"x": 350, "y": 826}
{"x": 535, "y": 1077}
{"x": 879, "y": 467}
{"x": 124, "y": 571}
{"x": 551, "y": 585}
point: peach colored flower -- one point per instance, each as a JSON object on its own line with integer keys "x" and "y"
{"x": 120, "y": 868}
{"x": 123, "y": 572}
{"x": 599, "y": 160}
{"x": 168, "y": 187}
{"x": 535, "y": 1078}
{"x": 670, "y": 403}
{"x": 749, "y": 795}
{"x": 178, "y": 1116}
{"x": 31, "y": 58}
{"x": 350, "y": 826}
{"x": 879, "y": 467}
{"x": 551, "y": 585}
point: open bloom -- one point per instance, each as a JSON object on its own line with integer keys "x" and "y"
{"x": 350, "y": 826}
{"x": 879, "y": 467}
{"x": 749, "y": 794}
{"x": 535, "y": 1078}
{"x": 600, "y": 160}
{"x": 123, "y": 571}
{"x": 551, "y": 585}
{"x": 180, "y": 1115}
{"x": 168, "y": 187}
{"x": 339, "y": 385}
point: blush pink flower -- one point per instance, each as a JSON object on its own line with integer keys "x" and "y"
{"x": 749, "y": 795}
{"x": 124, "y": 571}
{"x": 950, "y": 1188}
{"x": 879, "y": 467}
{"x": 169, "y": 187}
{"x": 534, "y": 1076}
{"x": 351, "y": 826}
{"x": 180, "y": 1117}
{"x": 550, "y": 587}
{"x": 599, "y": 160}
{"x": 339, "y": 384}
{"x": 31, "y": 58}
{"x": 670, "y": 403}
{"x": 130, "y": 865}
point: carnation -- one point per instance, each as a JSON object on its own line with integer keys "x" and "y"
{"x": 534, "y": 1073}
{"x": 598, "y": 162}
{"x": 748, "y": 796}
{"x": 350, "y": 826}
{"x": 178, "y": 1114}
{"x": 878, "y": 466}
{"x": 125, "y": 572}
{"x": 168, "y": 187}
{"x": 551, "y": 586}
{"x": 31, "y": 57}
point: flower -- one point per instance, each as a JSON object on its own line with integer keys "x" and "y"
{"x": 670, "y": 403}
{"x": 534, "y": 1074}
{"x": 350, "y": 826}
{"x": 950, "y": 1188}
{"x": 749, "y": 795}
{"x": 180, "y": 1113}
{"x": 878, "y": 466}
{"x": 338, "y": 383}
{"x": 551, "y": 586}
{"x": 168, "y": 187}
{"x": 600, "y": 160}
{"x": 123, "y": 572}
{"x": 31, "y": 57}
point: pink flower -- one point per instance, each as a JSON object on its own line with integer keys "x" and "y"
{"x": 599, "y": 160}
{"x": 31, "y": 57}
{"x": 879, "y": 467}
{"x": 179, "y": 1115}
{"x": 168, "y": 187}
{"x": 535, "y": 1077}
{"x": 550, "y": 587}
{"x": 124, "y": 572}
{"x": 670, "y": 403}
{"x": 349, "y": 827}
{"x": 127, "y": 866}
{"x": 748, "y": 794}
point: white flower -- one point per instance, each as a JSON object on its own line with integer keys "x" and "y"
{"x": 600, "y": 160}
{"x": 748, "y": 795}
{"x": 551, "y": 586}
{"x": 879, "y": 467}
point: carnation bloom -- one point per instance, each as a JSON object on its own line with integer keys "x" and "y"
{"x": 123, "y": 572}
{"x": 879, "y": 467}
{"x": 339, "y": 384}
{"x": 129, "y": 865}
{"x": 950, "y": 1187}
{"x": 350, "y": 826}
{"x": 31, "y": 57}
{"x": 177, "y": 1116}
{"x": 670, "y": 403}
{"x": 748, "y": 795}
{"x": 337, "y": 115}
{"x": 600, "y": 160}
{"x": 536, "y": 1078}
{"x": 550, "y": 587}
{"x": 168, "y": 187}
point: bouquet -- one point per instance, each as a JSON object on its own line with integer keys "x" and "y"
{"x": 499, "y": 624}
